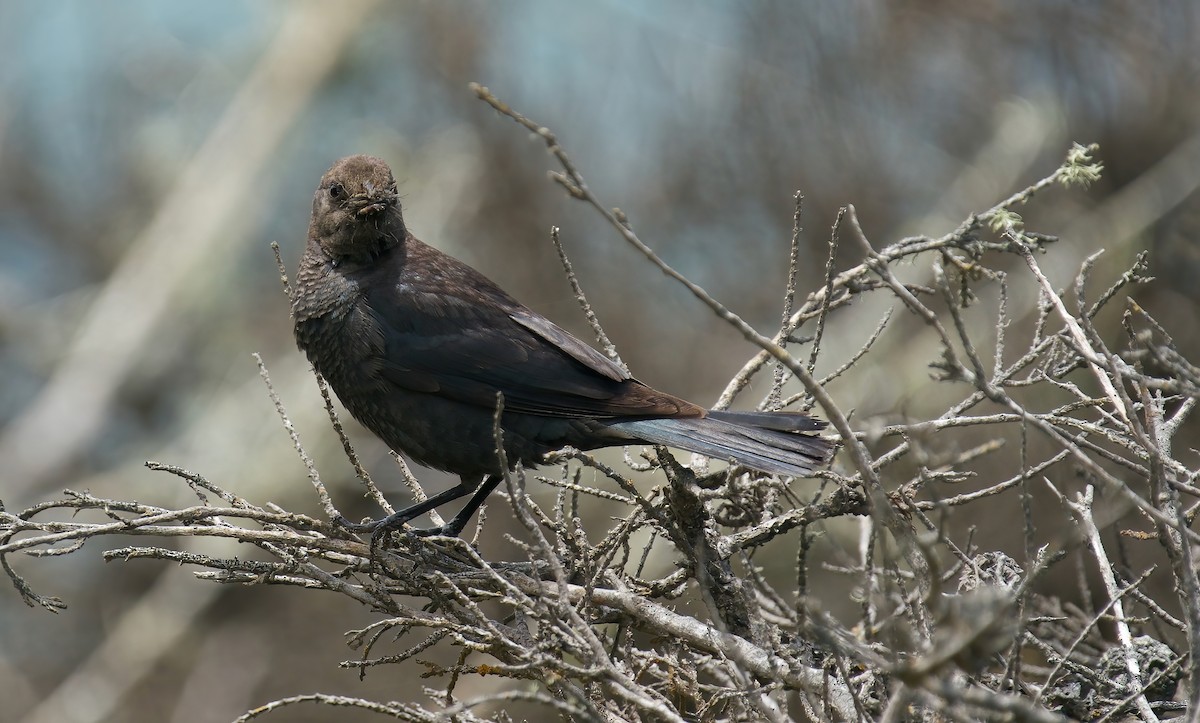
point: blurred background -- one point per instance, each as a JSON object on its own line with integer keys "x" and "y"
{"x": 150, "y": 152}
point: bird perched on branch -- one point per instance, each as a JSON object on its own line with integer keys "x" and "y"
{"x": 418, "y": 345}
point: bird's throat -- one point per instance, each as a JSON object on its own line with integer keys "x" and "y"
{"x": 365, "y": 254}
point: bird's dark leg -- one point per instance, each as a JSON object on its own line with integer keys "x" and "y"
{"x": 397, "y": 519}
{"x": 454, "y": 527}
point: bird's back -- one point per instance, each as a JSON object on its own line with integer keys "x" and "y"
{"x": 417, "y": 345}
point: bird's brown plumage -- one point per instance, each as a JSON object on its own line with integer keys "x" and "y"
{"x": 417, "y": 345}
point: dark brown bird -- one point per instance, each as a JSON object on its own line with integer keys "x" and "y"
{"x": 417, "y": 345}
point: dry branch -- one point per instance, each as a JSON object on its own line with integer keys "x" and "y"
{"x": 585, "y": 632}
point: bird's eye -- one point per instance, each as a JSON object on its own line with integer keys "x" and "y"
{"x": 336, "y": 190}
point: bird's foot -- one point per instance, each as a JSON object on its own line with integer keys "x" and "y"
{"x": 397, "y": 523}
{"x": 356, "y": 526}
{"x": 447, "y": 530}
{"x": 379, "y": 529}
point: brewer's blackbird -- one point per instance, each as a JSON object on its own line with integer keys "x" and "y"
{"x": 417, "y": 345}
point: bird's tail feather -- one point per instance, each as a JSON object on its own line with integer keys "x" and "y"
{"x": 781, "y": 421}
{"x": 768, "y": 442}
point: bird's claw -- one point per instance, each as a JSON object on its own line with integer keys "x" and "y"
{"x": 356, "y": 526}
{"x": 439, "y": 531}
{"x": 380, "y": 528}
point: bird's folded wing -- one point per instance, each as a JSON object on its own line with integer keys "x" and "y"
{"x": 468, "y": 352}
{"x": 579, "y": 351}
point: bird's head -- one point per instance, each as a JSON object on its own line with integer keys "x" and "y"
{"x": 356, "y": 211}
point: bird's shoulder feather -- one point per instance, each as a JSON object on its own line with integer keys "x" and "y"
{"x": 450, "y": 331}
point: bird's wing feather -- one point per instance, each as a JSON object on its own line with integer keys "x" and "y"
{"x": 440, "y": 343}
{"x": 561, "y": 338}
